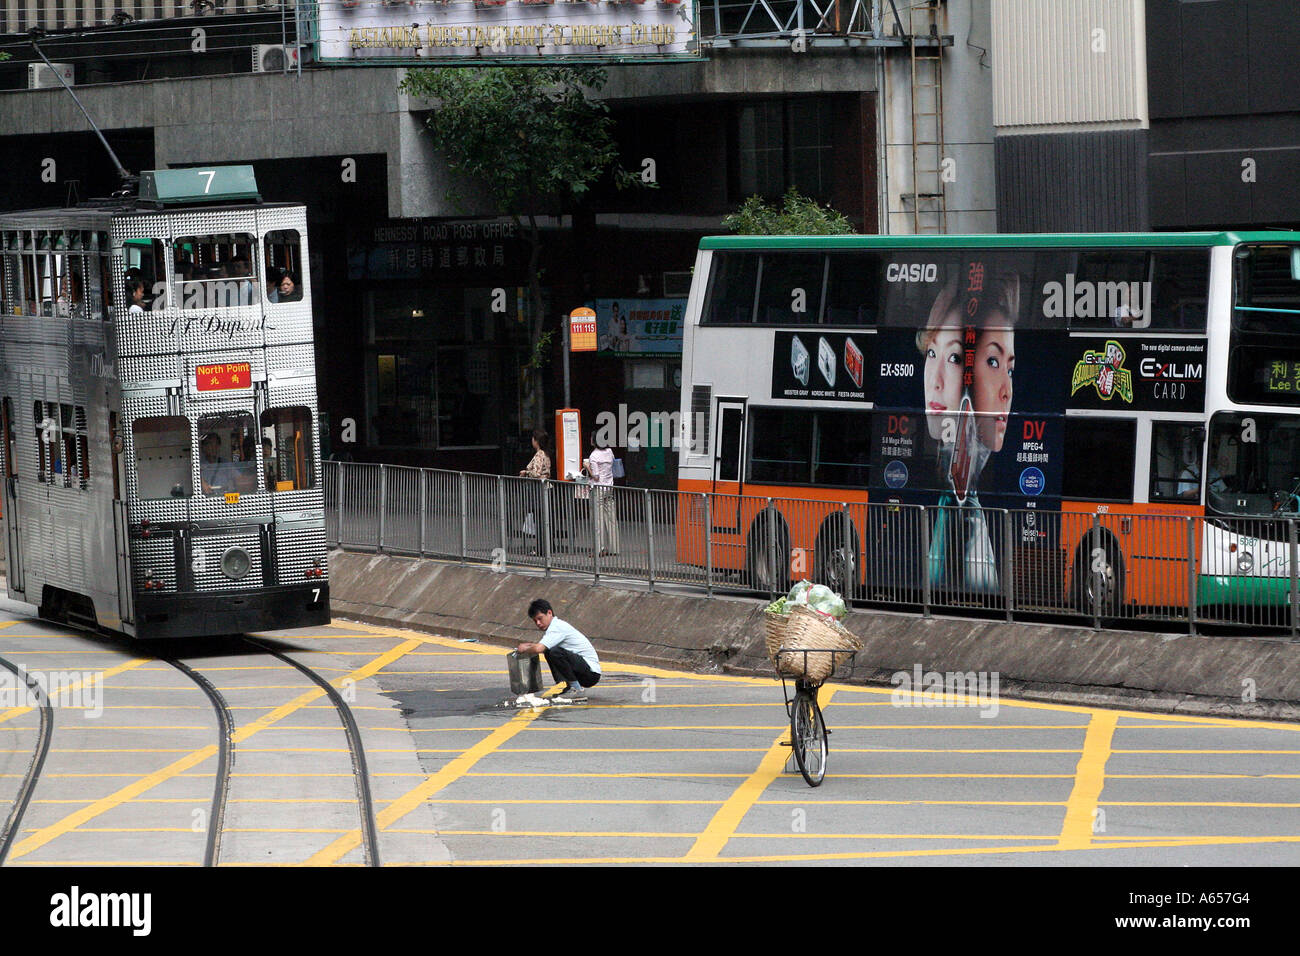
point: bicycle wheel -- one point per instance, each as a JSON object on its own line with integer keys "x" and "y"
{"x": 808, "y": 736}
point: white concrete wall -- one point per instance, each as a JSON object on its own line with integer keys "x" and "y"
{"x": 967, "y": 125}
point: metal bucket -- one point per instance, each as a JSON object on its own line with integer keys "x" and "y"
{"x": 525, "y": 673}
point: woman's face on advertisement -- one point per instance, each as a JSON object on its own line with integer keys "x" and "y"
{"x": 943, "y": 357}
{"x": 995, "y": 361}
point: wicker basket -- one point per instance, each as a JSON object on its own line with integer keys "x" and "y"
{"x": 804, "y": 629}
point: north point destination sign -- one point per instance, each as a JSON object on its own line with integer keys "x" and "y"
{"x": 383, "y": 32}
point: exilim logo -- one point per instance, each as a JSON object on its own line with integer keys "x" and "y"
{"x": 75, "y": 909}
{"x": 950, "y": 689}
{"x": 71, "y": 690}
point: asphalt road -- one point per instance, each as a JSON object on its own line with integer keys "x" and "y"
{"x": 659, "y": 767}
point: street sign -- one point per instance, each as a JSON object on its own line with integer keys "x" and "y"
{"x": 582, "y": 330}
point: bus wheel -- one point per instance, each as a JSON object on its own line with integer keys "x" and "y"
{"x": 835, "y": 562}
{"x": 763, "y": 576}
{"x": 1099, "y": 582}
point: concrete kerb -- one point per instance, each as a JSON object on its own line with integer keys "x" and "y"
{"x": 1216, "y": 676}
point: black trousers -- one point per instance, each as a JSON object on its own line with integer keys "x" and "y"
{"x": 569, "y": 668}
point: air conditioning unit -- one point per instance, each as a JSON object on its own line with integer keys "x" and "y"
{"x": 274, "y": 58}
{"x": 677, "y": 285}
{"x": 40, "y": 76}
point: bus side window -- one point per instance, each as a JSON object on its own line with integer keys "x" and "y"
{"x": 1176, "y": 449}
{"x": 1099, "y": 458}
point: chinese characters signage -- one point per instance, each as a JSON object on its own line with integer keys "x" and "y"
{"x": 427, "y": 249}
{"x": 640, "y": 326}
{"x": 223, "y": 377}
{"x": 504, "y": 30}
{"x": 582, "y": 330}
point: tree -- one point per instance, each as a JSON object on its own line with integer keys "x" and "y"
{"x": 534, "y": 139}
{"x": 798, "y": 215}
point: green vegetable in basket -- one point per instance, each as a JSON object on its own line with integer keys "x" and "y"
{"x": 777, "y": 606}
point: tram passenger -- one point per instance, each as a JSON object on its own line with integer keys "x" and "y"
{"x": 289, "y": 290}
{"x": 568, "y": 653}
{"x": 245, "y": 466}
{"x": 135, "y": 289}
{"x": 215, "y": 473}
{"x": 270, "y": 464}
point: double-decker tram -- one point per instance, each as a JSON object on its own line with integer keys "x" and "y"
{"x": 158, "y": 405}
{"x": 1104, "y": 423}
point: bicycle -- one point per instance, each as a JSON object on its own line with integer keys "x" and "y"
{"x": 808, "y": 733}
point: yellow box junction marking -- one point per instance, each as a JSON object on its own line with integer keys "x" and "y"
{"x": 448, "y": 775}
{"x": 148, "y": 782}
{"x": 724, "y": 823}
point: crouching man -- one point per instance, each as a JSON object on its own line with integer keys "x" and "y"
{"x": 568, "y": 653}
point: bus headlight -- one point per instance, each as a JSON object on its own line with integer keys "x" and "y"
{"x": 235, "y": 563}
{"x": 1245, "y": 562}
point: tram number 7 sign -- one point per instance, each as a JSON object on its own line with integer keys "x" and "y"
{"x": 223, "y": 377}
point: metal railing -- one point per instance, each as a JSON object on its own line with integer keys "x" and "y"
{"x": 1106, "y": 569}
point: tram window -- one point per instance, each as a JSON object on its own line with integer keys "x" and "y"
{"x": 284, "y": 260}
{"x": 290, "y": 460}
{"x": 145, "y": 259}
{"x": 48, "y": 440}
{"x": 1176, "y": 461}
{"x": 9, "y": 284}
{"x": 227, "y": 453}
{"x": 162, "y": 456}
{"x": 215, "y": 272}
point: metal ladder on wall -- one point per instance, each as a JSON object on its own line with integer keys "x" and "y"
{"x": 929, "y": 204}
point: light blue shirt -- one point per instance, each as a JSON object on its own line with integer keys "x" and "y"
{"x": 565, "y": 635}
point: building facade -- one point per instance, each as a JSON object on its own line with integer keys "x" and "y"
{"x": 882, "y": 110}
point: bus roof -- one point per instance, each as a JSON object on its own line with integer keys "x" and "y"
{"x": 999, "y": 240}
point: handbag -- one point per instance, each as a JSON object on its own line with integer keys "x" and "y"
{"x": 618, "y": 468}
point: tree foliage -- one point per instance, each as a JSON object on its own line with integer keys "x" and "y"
{"x": 529, "y": 134}
{"x": 534, "y": 140}
{"x": 797, "y": 215}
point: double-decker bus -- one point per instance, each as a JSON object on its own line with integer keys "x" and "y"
{"x": 157, "y": 410}
{"x": 1108, "y": 423}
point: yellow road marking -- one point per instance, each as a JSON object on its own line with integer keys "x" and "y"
{"x": 100, "y": 677}
{"x": 864, "y": 855}
{"x": 720, "y": 829}
{"x": 148, "y": 782}
{"x": 1089, "y": 779}
{"x": 841, "y": 688}
{"x": 434, "y": 784}
{"x": 735, "y": 836}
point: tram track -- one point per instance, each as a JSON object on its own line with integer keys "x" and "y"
{"x": 44, "y": 733}
{"x": 227, "y": 747}
{"x": 225, "y": 758}
{"x": 361, "y": 773}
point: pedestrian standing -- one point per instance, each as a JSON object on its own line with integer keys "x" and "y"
{"x": 600, "y": 465}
